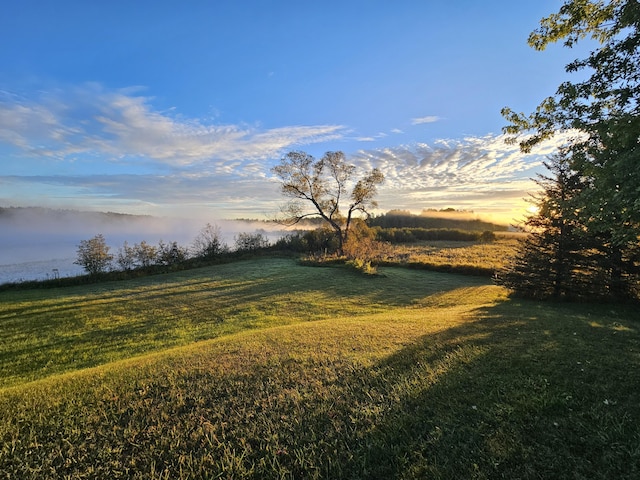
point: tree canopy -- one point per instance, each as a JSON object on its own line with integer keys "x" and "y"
{"x": 326, "y": 188}
{"x": 604, "y": 112}
{"x": 93, "y": 255}
{"x": 609, "y": 94}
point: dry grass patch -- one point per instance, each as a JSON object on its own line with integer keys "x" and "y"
{"x": 464, "y": 257}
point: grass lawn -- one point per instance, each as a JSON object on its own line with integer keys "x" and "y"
{"x": 267, "y": 369}
{"x": 45, "y": 332}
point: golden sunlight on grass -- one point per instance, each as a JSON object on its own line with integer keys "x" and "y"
{"x": 410, "y": 374}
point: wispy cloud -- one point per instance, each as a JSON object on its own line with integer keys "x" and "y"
{"x": 460, "y": 162}
{"x": 476, "y": 173}
{"x": 483, "y": 174}
{"x": 207, "y": 167}
{"x": 423, "y": 120}
{"x": 121, "y": 124}
{"x": 371, "y": 138}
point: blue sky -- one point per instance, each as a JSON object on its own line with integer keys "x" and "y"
{"x": 182, "y": 108}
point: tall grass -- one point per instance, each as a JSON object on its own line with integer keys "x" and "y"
{"x": 475, "y": 258}
{"x": 438, "y": 376}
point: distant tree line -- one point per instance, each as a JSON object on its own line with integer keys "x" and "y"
{"x": 58, "y": 214}
{"x": 410, "y": 235}
{"x": 405, "y": 219}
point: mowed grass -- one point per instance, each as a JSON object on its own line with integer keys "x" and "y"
{"x": 46, "y": 332}
{"x": 411, "y": 374}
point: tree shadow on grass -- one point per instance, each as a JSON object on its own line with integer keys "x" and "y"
{"x": 529, "y": 390}
{"x": 521, "y": 390}
{"x": 78, "y": 327}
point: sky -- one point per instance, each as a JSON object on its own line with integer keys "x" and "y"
{"x": 181, "y": 108}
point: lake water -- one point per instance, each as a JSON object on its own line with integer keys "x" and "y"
{"x": 36, "y": 257}
{"x": 39, "y": 254}
{"x": 39, "y": 270}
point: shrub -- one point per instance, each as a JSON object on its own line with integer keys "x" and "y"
{"x": 170, "y": 253}
{"x": 247, "y": 242}
{"x": 294, "y": 242}
{"x": 410, "y": 235}
{"x": 208, "y": 243}
{"x": 363, "y": 266}
{"x": 126, "y": 257}
{"x": 363, "y": 251}
{"x": 93, "y": 255}
{"x": 145, "y": 254}
{"x": 487, "y": 237}
{"x": 321, "y": 241}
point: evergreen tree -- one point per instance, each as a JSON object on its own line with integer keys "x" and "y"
{"x": 551, "y": 261}
{"x": 605, "y": 110}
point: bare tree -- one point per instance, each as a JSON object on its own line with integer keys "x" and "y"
{"x": 326, "y": 188}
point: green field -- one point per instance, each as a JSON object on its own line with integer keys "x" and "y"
{"x": 269, "y": 369}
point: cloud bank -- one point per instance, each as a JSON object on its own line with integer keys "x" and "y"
{"x": 122, "y": 124}
{"x": 113, "y": 151}
{"x": 484, "y": 174}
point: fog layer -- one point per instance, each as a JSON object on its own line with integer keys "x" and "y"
{"x": 35, "y": 241}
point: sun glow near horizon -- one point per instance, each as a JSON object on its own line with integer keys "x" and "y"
{"x": 133, "y": 139}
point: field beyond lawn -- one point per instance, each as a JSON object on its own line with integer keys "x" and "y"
{"x": 268, "y": 369}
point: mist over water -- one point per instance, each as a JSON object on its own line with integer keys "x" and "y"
{"x": 38, "y": 244}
